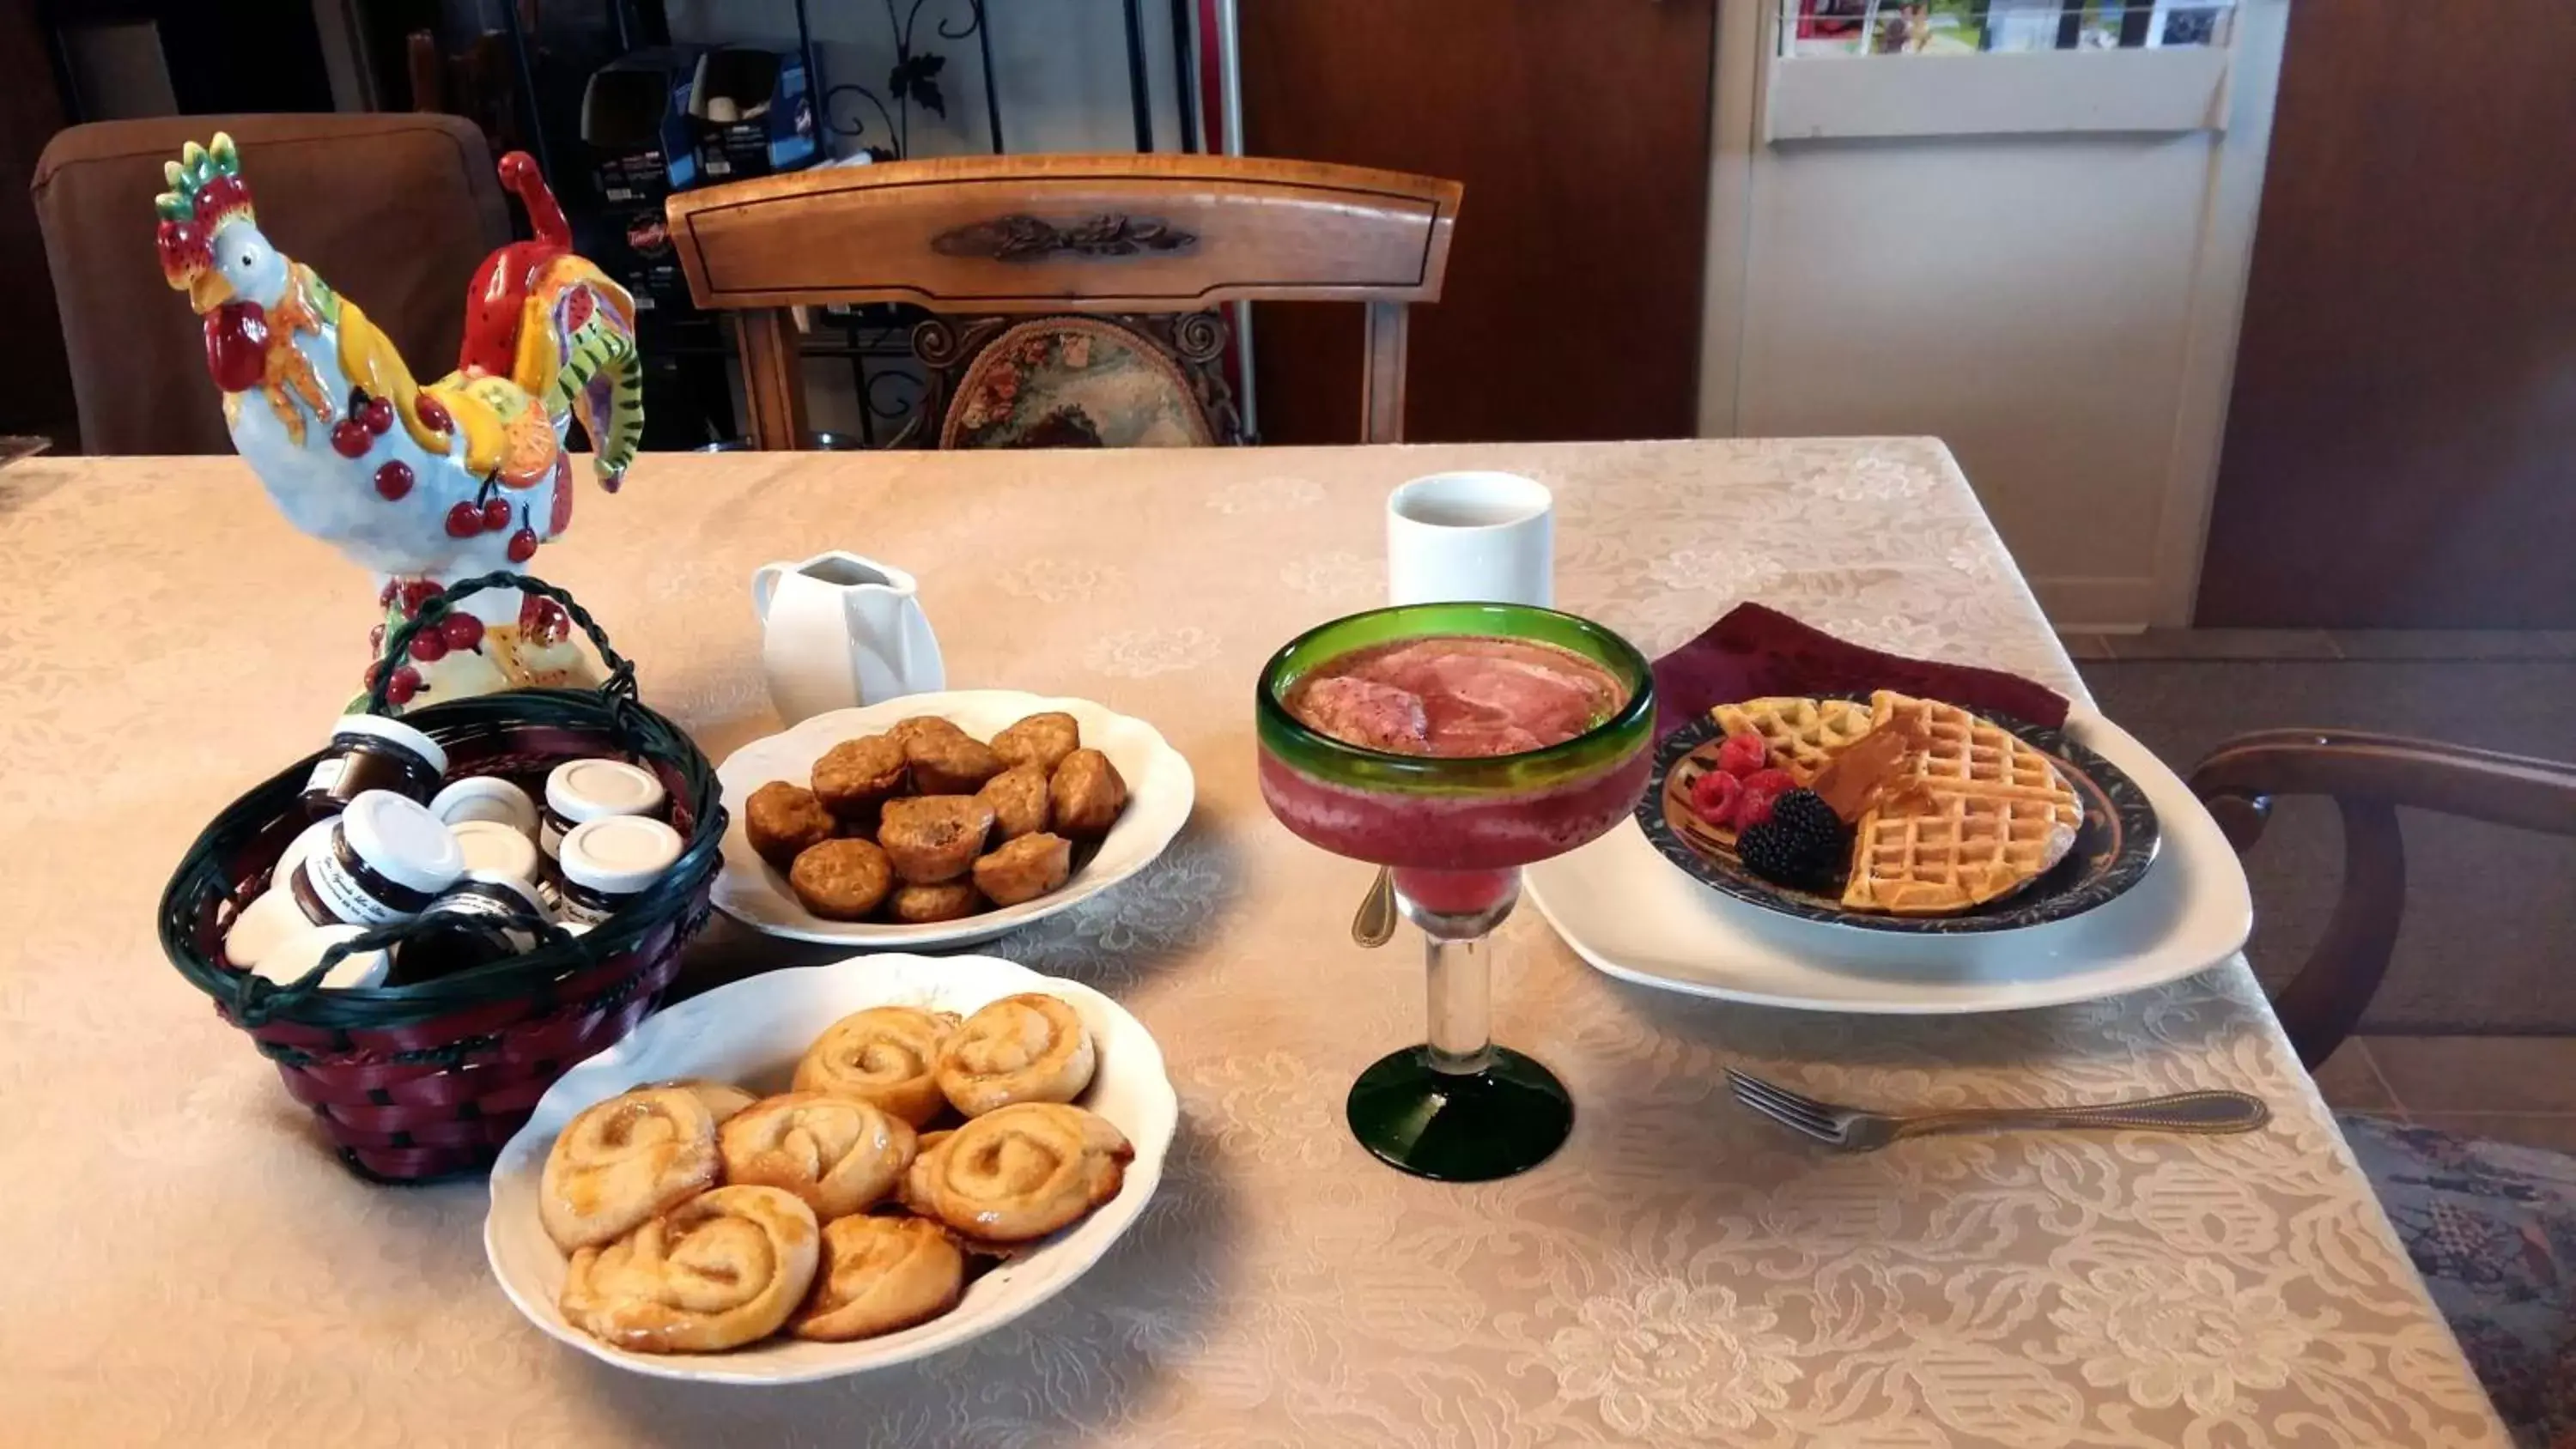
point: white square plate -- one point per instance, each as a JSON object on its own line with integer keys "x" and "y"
{"x": 1637, "y": 916}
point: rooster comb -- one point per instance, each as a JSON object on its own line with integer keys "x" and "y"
{"x": 206, "y": 185}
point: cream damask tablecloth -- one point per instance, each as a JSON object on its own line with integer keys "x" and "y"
{"x": 187, "y": 1265}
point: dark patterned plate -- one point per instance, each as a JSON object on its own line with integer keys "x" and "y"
{"x": 2113, "y": 847}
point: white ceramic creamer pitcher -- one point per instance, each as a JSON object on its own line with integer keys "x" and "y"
{"x": 839, "y": 630}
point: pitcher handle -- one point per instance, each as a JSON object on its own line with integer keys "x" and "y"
{"x": 764, "y": 587}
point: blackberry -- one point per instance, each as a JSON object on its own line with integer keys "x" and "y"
{"x": 1803, "y": 846}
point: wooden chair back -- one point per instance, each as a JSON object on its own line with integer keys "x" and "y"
{"x": 2368, "y": 776}
{"x": 1006, "y": 235}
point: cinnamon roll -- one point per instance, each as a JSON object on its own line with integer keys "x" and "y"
{"x": 623, "y": 1160}
{"x": 879, "y": 1275}
{"x": 723, "y": 1099}
{"x": 886, "y": 1054}
{"x": 1019, "y": 1172}
{"x": 1026, "y": 1048}
{"x": 716, "y": 1272}
{"x": 840, "y": 1154}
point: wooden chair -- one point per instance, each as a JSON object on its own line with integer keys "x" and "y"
{"x": 1146, "y": 245}
{"x": 2487, "y": 1224}
{"x": 2368, "y": 776}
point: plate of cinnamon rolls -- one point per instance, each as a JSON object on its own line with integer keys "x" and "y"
{"x": 829, "y": 1169}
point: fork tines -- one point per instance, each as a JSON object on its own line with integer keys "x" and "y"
{"x": 1801, "y": 1114}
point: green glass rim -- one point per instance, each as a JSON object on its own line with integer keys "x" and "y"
{"x": 1314, "y": 753}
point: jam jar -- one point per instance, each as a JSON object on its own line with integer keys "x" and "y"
{"x": 370, "y": 752}
{"x": 304, "y": 951}
{"x": 609, "y": 861}
{"x": 486, "y": 797}
{"x": 579, "y": 791}
{"x": 386, "y": 861}
{"x": 492, "y": 847}
{"x": 479, "y": 920}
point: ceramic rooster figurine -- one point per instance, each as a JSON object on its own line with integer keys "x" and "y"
{"x": 421, "y": 483}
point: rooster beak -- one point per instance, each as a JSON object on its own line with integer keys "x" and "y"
{"x": 208, "y": 290}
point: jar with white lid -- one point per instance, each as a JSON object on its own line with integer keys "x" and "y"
{"x": 358, "y": 969}
{"x": 580, "y": 791}
{"x": 369, "y": 752}
{"x": 272, "y": 916}
{"x": 486, "y": 797}
{"x": 493, "y": 848}
{"x": 609, "y": 861}
{"x": 488, "y": 916}
{"x": 386, "y": 861}
{"x": 300, "y": 847}
{"x": 270, "y": 921}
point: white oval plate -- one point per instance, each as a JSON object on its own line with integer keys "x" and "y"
{"x": 1160, "y": 789}
{"x": 1635, "y": 915}
{"x": 752, "y": 1032}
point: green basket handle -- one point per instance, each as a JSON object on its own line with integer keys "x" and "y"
{"x": 619, "y": 686}
{"x": 261, "y": 998}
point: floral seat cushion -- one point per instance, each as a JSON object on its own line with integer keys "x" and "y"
{"x": 1073, "y": 382}
{"x": 2492, "y": 1227}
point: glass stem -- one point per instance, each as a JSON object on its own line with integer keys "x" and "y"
{"x": 1462, "y": 1004}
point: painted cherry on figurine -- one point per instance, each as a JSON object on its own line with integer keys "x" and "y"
{"x": 340, "y": 429}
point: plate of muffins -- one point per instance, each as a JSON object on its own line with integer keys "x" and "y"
{"x": 829, "y": 1169}
{"x": 940, "y": 819}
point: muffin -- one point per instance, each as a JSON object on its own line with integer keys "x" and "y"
{"x": 855, "y": 777}
{"x": 1018, "y": 797}
{"x": 783, "y": 821}
{"x": 1086, "y": 795}
{"x": 841, "y": 880}
{"x": 934, "y": 838}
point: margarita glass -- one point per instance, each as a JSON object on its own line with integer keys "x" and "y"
{"x": 1455, "y": 802}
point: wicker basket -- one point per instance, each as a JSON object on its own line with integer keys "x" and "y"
{"x": 422, "y": 1081}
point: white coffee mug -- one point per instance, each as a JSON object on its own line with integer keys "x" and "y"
{"x": 1480, "y": 537}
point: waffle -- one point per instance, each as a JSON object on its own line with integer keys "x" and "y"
{"x": 1802, "y": 733}
{"x": 1975, "y": 814}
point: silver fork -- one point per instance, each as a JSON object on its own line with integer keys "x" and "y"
{"x": 1855, "y": 1130}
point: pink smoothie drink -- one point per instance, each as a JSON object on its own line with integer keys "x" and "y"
{"x": 1462, "y": 698}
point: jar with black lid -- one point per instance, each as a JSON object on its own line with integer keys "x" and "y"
{"x": 370, "y": 752}
{"x": 489, "y": 916}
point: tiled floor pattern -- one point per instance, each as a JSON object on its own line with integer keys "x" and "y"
{"x": 2513, "y": 1089}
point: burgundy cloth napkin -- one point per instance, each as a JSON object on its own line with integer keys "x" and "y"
{"x": 1755, "y": 651}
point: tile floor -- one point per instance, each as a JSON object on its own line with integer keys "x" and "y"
{"x": 2518, "y": 1089}
{"x": 2514, "y": 1089}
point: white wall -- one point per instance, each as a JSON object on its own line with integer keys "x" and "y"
{"x": 2060, "y": 307}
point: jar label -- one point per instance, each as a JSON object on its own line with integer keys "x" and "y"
{"x": 572, "y": 909}
{"x": 326, "y": 773}
{"x": 341, "y": 892}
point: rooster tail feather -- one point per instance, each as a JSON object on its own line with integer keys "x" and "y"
{"x": 577, "y": 352}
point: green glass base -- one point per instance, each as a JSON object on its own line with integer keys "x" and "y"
{"x": 1505, "y": 1119}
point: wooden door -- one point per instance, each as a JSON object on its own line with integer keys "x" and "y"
{"x": 1581, "y": 132}
{"x": 2401, "y": 445}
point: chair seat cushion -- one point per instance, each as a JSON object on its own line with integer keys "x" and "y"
{"x": 1073, "y": 382}
{"x": 2492, "y": 1227}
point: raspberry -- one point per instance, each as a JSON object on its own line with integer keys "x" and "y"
{"x": 1802, "y": 845}
{"x": 1713, "y": 798}
{"x": 1742, "y": 755}
{"x": 1760, "y": 789}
